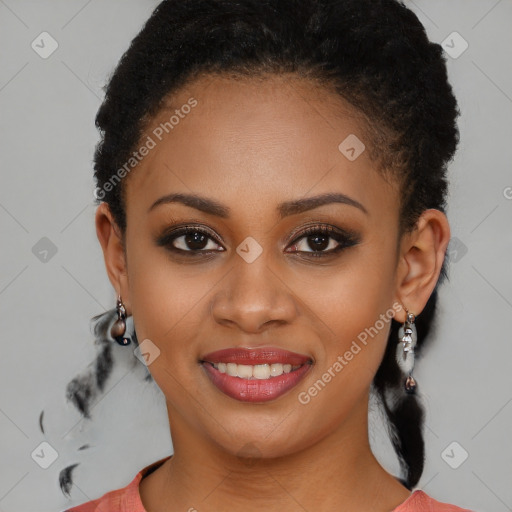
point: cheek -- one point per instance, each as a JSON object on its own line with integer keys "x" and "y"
{"x": 349, "y": 360}
{"x": 166, "y": 300}
{"x": 348, "y": 298}
{"x": 356, "y": 322}
{"x": 166, "y": 309}
{"x": 353, "y": 309}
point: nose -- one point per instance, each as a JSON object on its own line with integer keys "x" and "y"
{"x": 254, "y": 298}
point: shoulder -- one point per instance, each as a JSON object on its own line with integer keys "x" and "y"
{"x": 419, "y": 501}
{"x": 123, "y": 499}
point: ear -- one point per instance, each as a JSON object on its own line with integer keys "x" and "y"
{"x": 111, "y": 241}
{"x": 421, "y": 257}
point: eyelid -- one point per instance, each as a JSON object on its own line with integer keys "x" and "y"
{"x": 182, "y": 228}
{"x": 323, "y": 227}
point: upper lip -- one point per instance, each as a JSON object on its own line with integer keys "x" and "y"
{"x": 253, "y": 356}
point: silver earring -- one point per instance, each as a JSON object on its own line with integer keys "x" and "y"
{"x": 119, "y": 326}
{"x": 407, "y": 338}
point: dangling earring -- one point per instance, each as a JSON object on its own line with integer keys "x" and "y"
{"x": 407, "y": 338}
{"x": 119, "y": 326}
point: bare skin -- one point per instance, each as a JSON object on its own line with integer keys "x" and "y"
{"x": 251, "y": 145}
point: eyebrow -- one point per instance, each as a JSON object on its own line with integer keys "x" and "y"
{"x": 284, "y": 209}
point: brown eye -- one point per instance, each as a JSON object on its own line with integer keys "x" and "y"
{"x": 323, "y": 241}
{"x": 317, "y": 242}
{"x": 194, "y": 241}
{"x": 190, "y": 239}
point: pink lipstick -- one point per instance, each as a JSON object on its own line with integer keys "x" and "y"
{"x": 255, "y": 375}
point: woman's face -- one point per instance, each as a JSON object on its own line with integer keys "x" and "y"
{"x": 254, "y": 155}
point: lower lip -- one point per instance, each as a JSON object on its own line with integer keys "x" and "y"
{"x": 255, "y": 390}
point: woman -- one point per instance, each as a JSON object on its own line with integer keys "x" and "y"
{"x": 272, "y": 182}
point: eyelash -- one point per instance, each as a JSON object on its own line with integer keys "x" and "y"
{"x": 345, "y": 240}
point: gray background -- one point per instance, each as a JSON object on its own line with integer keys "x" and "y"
{"x": 48, "y": 137}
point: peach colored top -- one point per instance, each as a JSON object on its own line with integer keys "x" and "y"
{"x": 127, "y": 499}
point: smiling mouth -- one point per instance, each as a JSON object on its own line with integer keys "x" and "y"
{"x": 255, "y": 375}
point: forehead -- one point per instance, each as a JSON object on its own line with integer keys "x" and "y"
{"x": 256, "y": 138}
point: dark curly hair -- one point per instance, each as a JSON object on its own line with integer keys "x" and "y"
{"x": 374, "y": 54}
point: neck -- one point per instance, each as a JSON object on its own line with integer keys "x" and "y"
{"x": 338, "y": 472}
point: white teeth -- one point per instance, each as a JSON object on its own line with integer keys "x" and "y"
{"x": 261, "y": 371}
{"x": 231, "y": 369}
{"x": 244, "y": 371}
{"x": 258, "y": 371}
{"x": 276, "y": 369}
